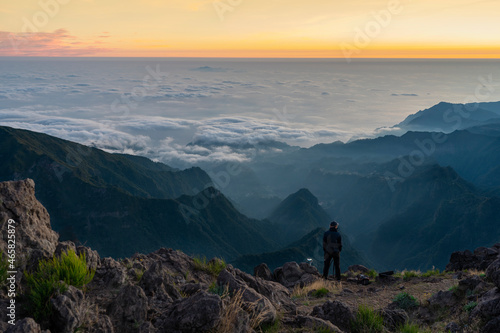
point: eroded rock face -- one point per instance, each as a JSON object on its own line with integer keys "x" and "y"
{"x": 34, "y": 237}
{"x": 293, "y": 274}
{"x": 199, "y": 313}
{"x": 336, "y": 312}
{"x": 253, "y": 302}
{"x": 26, "y": 325}
{"x": 68, "y": 310}
{"x": 480, "y": 259}
{"x": 129, "y": 308}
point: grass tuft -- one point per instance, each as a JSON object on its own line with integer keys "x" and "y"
{"x": 212, "y": 267}
{"x": 367, "y": 321}
{"x": 329, "y": 286}
{"x": 406, "y": 301}
{"x": 45, "y": 282}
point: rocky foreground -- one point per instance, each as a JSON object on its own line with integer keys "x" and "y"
{"x": 168, "y": 291}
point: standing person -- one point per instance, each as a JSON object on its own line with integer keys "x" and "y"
{"x": 332, "y": 245}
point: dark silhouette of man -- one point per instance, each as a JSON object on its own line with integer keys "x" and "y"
{"x": 332, "y": 245}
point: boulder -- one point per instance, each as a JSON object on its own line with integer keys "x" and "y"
{"x": 493, "y": 272}
{"x": 292, "y": 274}
{"x": 34, "y": 237}
{"x": 273, "y": 291}
{"x": 253, "y": 302}
{"x": 129, "y": 308}
{"x": 190, "y": 289}
{"x": 336, "y": 312}
{"x": 26, "y": 325}
{"x": 199, "y": 313}
{"x": 358, "y": 269}
{"x": 67, "y": 310}
{"x": 157, "y": 283}
{"x": 488, "y": 306}
{"x": 91, "y": 256}
{"x": 394, "y": 318}
{"x": 311, "y": 323}
{"x": 443, "y": 299}
{"x": 109, "y": 274}
{"x": 491, "y": 326}
{"x": 263, "y": 272}
{"x": 480, "y": 259}
{"x": 452, "y": 328}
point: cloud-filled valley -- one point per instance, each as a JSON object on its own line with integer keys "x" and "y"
{"x": 191, "y": 111}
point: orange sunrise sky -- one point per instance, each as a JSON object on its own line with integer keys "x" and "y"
{"x": 251, "y": 28}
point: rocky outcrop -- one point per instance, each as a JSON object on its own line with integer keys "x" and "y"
{"x": 68, "y": 310}
{"x": 479, "y": 260}
{"x": 336, "y": 312}
{"x": 34, "y": 238}
{"x": 293, "y": 274}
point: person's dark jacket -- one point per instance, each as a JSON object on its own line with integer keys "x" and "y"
{"x": 332, "y": 241}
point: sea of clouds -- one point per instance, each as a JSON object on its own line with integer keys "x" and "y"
{"x": 190, "y": 111}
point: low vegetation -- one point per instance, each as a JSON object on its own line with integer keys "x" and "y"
{"x": 318, "y": 288}
{"x": 406, "y": 301}
{"x": 212, "y": 267}
{"x": 367, "y": 321}
{"x": 52, "y": 277}
{"x": 4, "y": 268}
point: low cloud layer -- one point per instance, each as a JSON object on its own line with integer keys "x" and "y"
{"x": 185, "y": 112}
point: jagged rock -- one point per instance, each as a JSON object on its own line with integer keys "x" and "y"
{"x": 443, "y": 299}
{"x": 488, "y": 306}
{"x": 491, "y": 326}
{"x": 291, "y": 274}
{"x": 311, "y": 323}
{"x": 102, "y": 324}
{"x": 479, "y": 260}
{"x": 199, "y": 313}
{"x": 452, "y": 328}
{"x": 129, "y": 308}
{"x": 394, "y": 318}
{"x": 252, "y": 300}
{"x": 91, "y": 256}
{"x": 67, "y": 310}
{"x": 358, "y": 269}
{"x": 64, "y": 247}
{"x": 336, "y": 312}
{"x": 26, "y": 325}
{"x": 309, "y": 269}
{"x": 273, "y": 291}
{"x": 493, "y": 272}
{"x": 469, "y": 284}
{"x": 190, "y": 289}
{"x": 157, "y": 283}
{"x": 263, "y": 272}
{"x": 34, "y": 237}
{"x": 110, "y": 274}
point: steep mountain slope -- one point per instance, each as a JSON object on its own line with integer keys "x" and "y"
{"x": 297, "y": 215}
{"x": 122, "y": 204}
{"x": 43, "y": 157}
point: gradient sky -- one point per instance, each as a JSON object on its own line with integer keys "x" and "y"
{"x": 251, "y": 28}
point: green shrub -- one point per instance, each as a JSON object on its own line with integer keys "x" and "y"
{"x": 372, "y": 274}
{"x": 367, "y": 321}
{"x": 45, "y": 282}
{"x": 470, "y": 306}
{"x": 222, "y": 291}
{"x": 407, "y": 275}
{"x": 432, "y": 272}
{"x": 212, "y": 267}
{"x": 320, "y": 292}
{"x": 405, "y": 301}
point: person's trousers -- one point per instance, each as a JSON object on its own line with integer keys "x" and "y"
{"x": 336, "y": 264}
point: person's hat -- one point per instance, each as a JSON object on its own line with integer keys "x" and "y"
{"x": 334, "y": 224}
